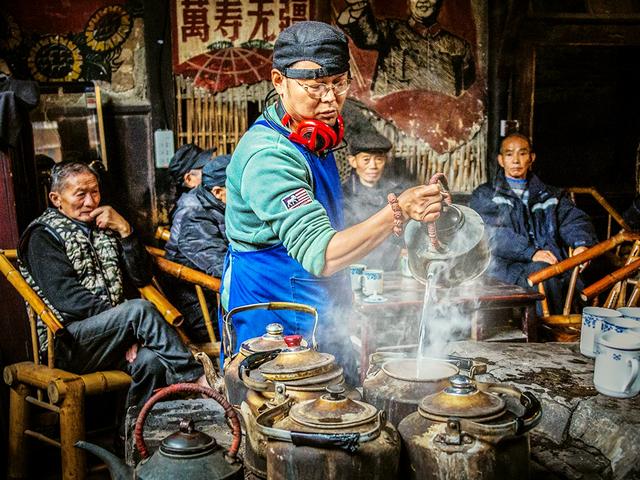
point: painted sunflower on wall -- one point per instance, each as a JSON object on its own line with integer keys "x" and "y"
{"x": 93, "y": 53}
{"x": 108, "y": 28}
{"x": 55, "y": 59}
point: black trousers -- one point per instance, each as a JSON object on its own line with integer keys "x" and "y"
{"x": 100, "y": 342}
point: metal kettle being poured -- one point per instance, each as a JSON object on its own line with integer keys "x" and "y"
{"x": 455, "y": 242}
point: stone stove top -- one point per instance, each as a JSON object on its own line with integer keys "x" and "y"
{"x": 583, "y": 434}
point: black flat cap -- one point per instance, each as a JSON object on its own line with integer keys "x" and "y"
{"x": 314, "y": 41}
{"x": 188, "y": 157}
{"x": 368, "y": 140}
{"x": 214, "y": 173}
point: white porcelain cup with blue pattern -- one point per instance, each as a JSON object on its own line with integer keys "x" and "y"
{"x": 356, "y": 272}
{"x": 372, "y": 282}
{"x": 592, "y": 319}
{"x": 620, "y": 325}
{"x": 617, "y": 368}
{"x": 630, "y": 312}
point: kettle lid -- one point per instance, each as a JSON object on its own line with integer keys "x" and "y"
{"x": 187, "y": 441}
{"x": 462, "y": 399}
{"x": 296, "y": 362}
{"x": 272, "y": 339}
{"x": 333, "y": 410}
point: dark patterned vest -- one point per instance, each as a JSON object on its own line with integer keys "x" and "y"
{"x": 94, "y": 258}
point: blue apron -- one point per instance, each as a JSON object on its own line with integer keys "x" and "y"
{"x": 270, "y": 274}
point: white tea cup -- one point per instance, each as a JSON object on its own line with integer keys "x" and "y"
{"x": 372, "y": 282}
{"x": 592, "y": 318}
{"x": 618, "y": 364}
{"x": 356, "y": 272}
{"x": 620, "y": 325}
{"x": 630, "y": 312}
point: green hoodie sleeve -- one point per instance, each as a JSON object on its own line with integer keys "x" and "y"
{"x": 270, "y": 176}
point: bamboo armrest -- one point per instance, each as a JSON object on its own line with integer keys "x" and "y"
{"x": 187, "y": 274}
{"x": 156, "y": 252}
{"x": 54, "y": 379}
{"x": 587, "y": 255}
{"x": 163, "y": 233}
{"x": 168, "y": 311}
{"x": 610, "y": 279}
{"x": 27, "y": 293}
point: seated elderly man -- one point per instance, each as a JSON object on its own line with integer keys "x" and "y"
{"x": 74, "y": 256}
{"x": 365, "y": 191}
{"x": 199, "y": 242}
{"x": 531, "y": 225}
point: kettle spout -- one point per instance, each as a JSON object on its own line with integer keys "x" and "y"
{"x": 118, "y": 469}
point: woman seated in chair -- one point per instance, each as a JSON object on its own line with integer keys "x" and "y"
{"x": 75, "y": 256}
{"x": 199, "y": 241}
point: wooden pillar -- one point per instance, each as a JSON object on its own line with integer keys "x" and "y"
{"x": 18, "y": 423}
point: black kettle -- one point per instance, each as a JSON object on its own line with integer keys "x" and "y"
{"x": 188, "y": 453}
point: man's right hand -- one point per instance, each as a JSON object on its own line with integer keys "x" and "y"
{"x": 106, "y": 217}
{"x": 544, "y": 256}
{"x": 422, "y": 203}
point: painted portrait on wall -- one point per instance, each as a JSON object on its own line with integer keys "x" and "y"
{"x": 419, "y": 64}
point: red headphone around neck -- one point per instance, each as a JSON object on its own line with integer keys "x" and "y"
{"x": 317, "y": 136}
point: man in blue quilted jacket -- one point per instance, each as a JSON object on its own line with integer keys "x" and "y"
{"x": 531, "y": 225}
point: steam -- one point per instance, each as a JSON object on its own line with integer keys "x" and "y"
{"x": 444, "y": 318}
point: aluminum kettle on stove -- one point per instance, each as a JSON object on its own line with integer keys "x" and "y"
{"x": 456, "y": 242}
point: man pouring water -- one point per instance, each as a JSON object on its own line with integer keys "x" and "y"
{"x": 284, "y": 213}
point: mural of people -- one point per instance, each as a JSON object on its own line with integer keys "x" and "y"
{"x": 414, "y": 54}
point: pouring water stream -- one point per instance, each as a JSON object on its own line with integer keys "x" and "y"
{"x": 433, "y": 272}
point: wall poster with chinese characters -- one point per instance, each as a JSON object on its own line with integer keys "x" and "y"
{"x": 226, "y": 43}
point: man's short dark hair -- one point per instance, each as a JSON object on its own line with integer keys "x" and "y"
{"x": 518, "y": 135}
{"x": 61, "y": 172}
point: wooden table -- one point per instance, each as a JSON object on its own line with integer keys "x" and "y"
{"x": 488, "y": 304}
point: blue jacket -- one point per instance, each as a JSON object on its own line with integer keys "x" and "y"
{"x": 198, "y": 238}
{"x": 550, "y": 221}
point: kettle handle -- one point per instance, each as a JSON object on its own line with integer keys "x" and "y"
{"x": 252, "y": 362}
{"x": 519, "y": 425}
{"x": 229, "y": 412}
{"x": 431, "y": 226}
{"x": 292, "y": 306}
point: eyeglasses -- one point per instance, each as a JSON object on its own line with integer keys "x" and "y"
{"x": 319, "y": 90}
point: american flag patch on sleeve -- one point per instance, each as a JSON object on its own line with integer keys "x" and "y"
{"x": 296, "y": 199}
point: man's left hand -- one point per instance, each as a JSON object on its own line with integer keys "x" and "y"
{"x": 107, "y": 218}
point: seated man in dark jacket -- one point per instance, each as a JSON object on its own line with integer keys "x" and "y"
{"x": 185, "y": 169}
{"x": 74, "y": 256}
{"x": 366, "y": 189}
{"x": 199, "y": 241}
{"x": 531, "y": 225}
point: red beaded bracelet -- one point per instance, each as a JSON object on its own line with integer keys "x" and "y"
{"x": 397, "y": 214}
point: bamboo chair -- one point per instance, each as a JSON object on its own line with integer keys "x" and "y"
{"x": 567, "y": 325}
{"x": 56, "y": 390}
{"x": 199, "y": 281}
{"x": 163, "y": 233}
